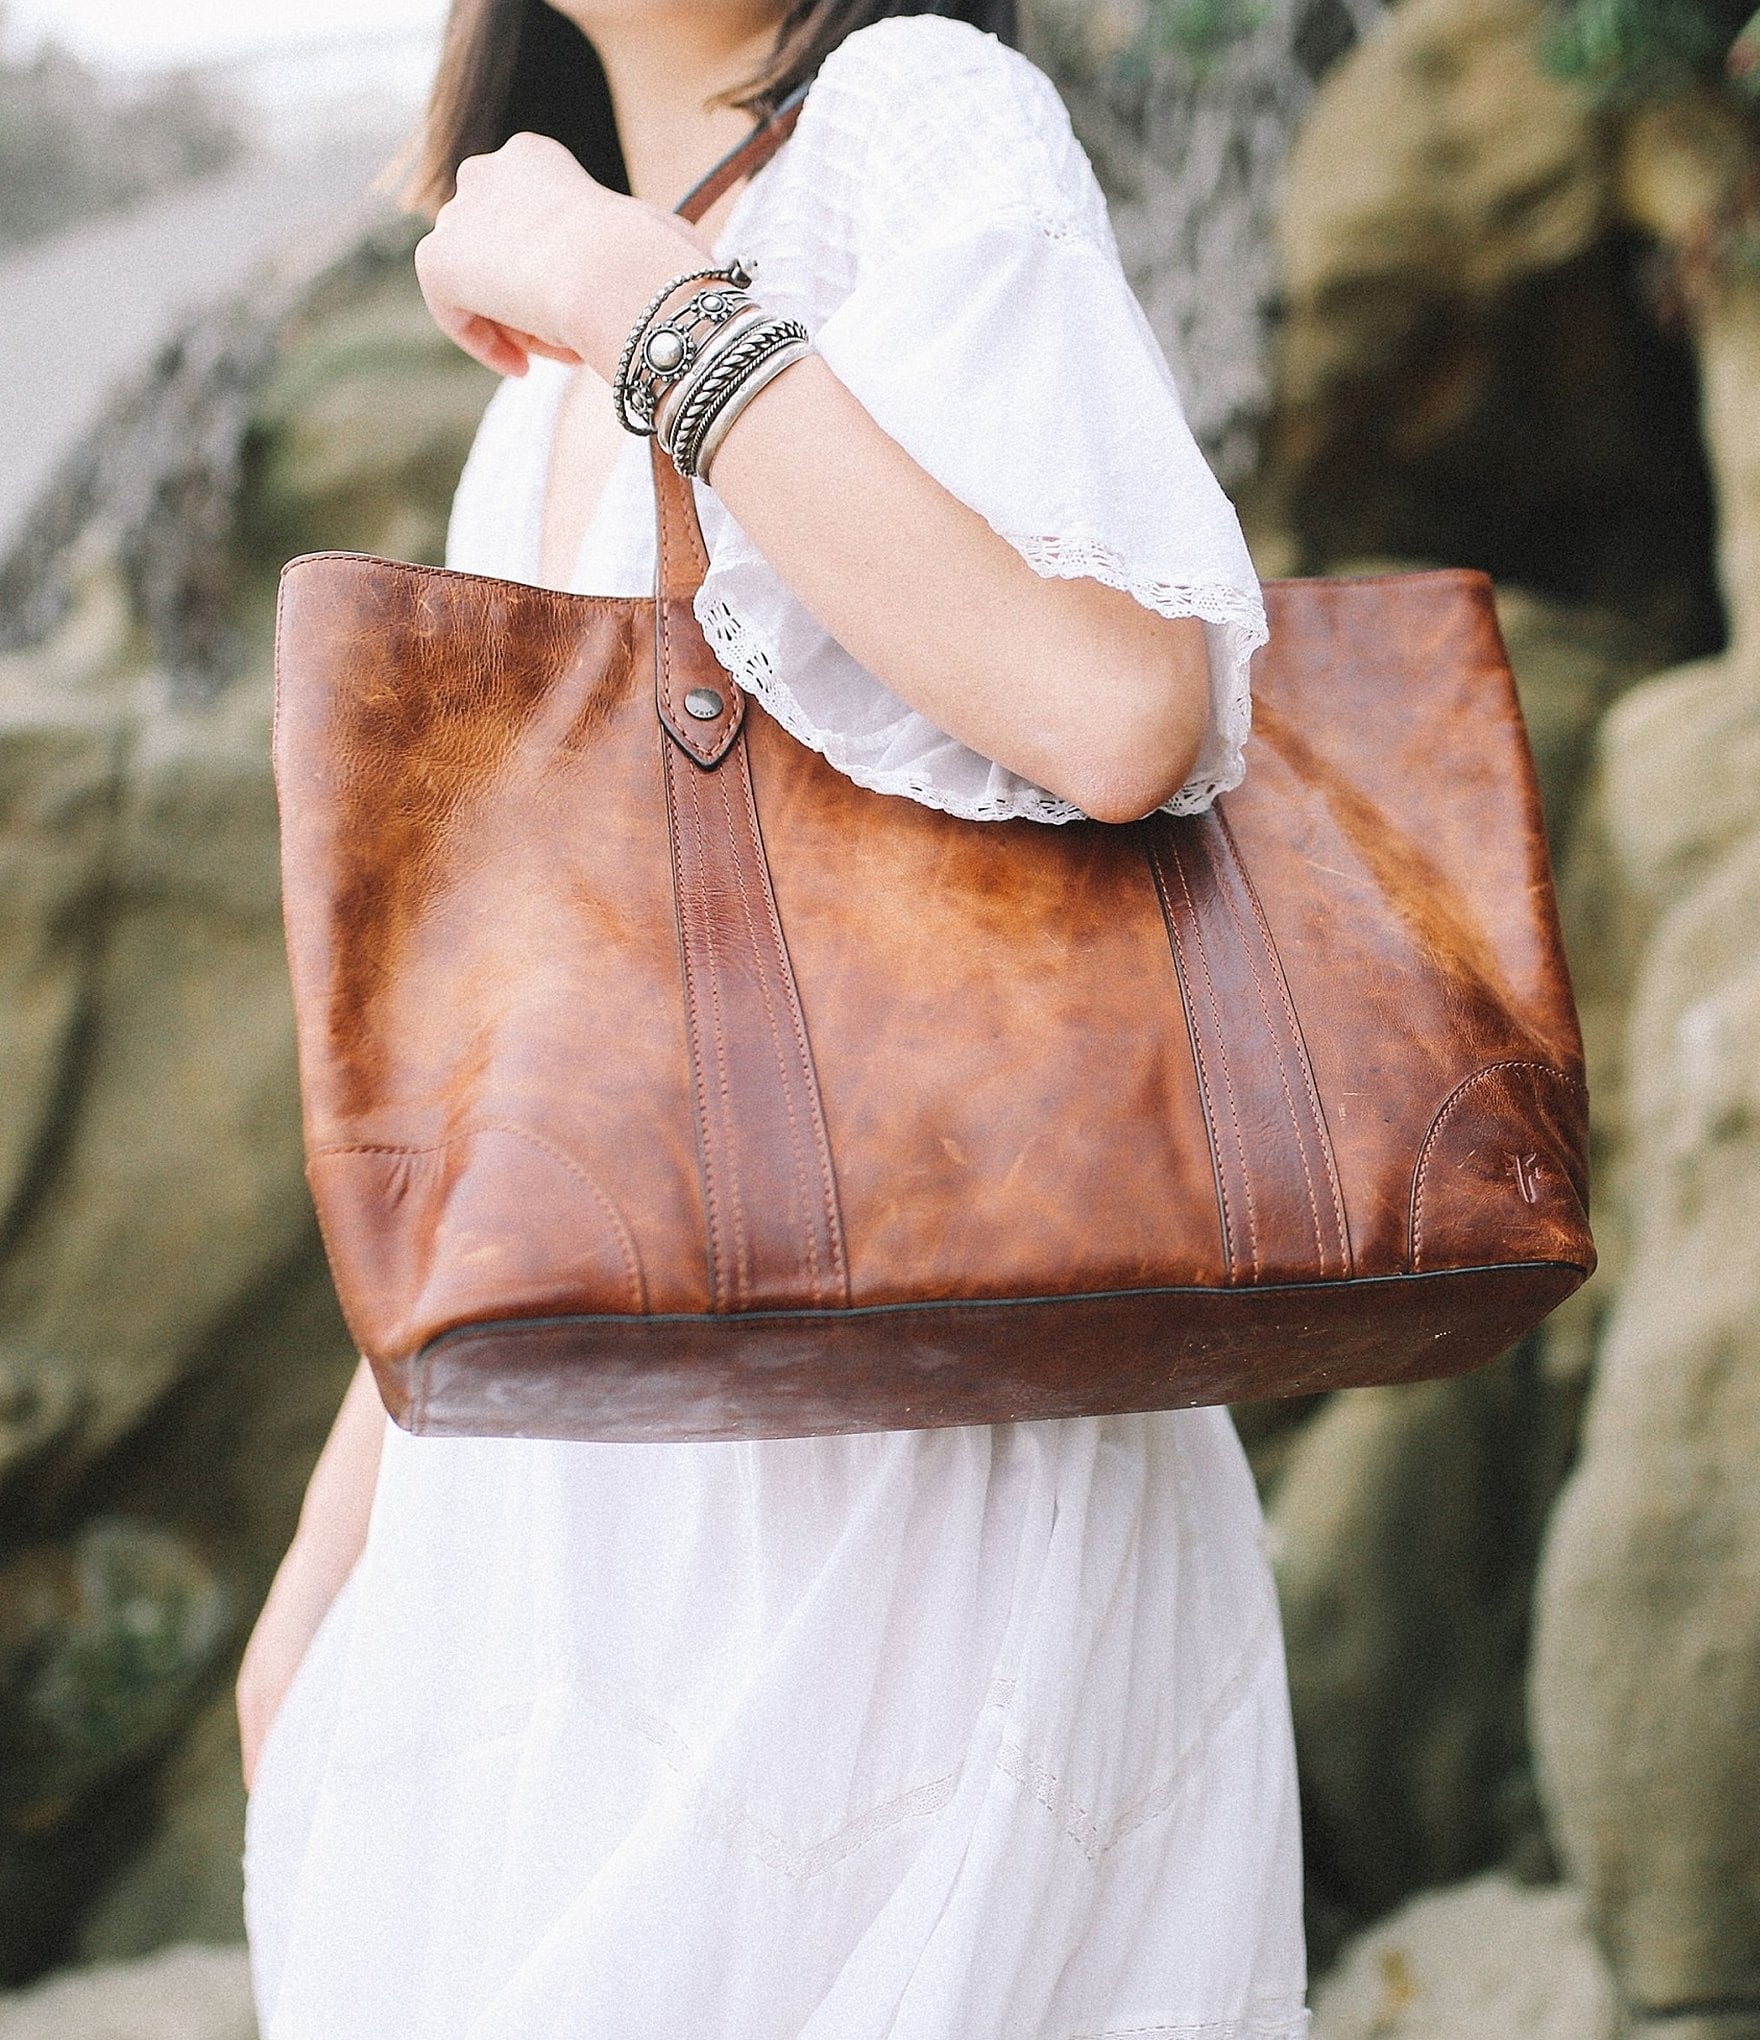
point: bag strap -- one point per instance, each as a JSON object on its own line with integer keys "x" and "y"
{"x": 774, "y": 1232}
{"x": 745, "y": 159}
{"x": 681, "y": 557}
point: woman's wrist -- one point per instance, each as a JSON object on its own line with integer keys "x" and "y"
{"x": 602, "y": 301}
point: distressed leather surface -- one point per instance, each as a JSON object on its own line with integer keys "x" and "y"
{"x": 660, "y": 1083}
{"x": 1380, "y": 1174}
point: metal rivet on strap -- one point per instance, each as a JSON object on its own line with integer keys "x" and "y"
{"x": 704, "y": 703}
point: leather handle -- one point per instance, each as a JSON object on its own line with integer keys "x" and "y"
{"x": 773, "y": 1231}
{"x": 1280, "y": 1209}
{"x": 699, "y": 706}
{"x": 751, "y": 154}
{"x": 683, "y": 559}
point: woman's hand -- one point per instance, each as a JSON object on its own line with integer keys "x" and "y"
{"x": 1072, "y": 684}
{"x": 532, "y": 256}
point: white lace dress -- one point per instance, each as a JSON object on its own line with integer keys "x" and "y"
{"x": 979, "y": 1734}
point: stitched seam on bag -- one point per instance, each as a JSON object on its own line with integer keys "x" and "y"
{"x": 1456, "y": 1098}
{"x": 1234, "y": 1121}
{"x": 670, "y": 768}
{"x": 1198, "y": 1060}
{"x": 1240, "y": 928}
{"x": 275, "y": 710}
{"x": 667, "y": 541}
{"x": 626, "y": 1245}
{"x": 735, "y": 1203}
{"x": 1314, "y": 1106}
{"x": 802, "y": 1187}
{"x": 820, "y": 1141}
{"x": 729, "y": 1152}
{"x": 1215, "y": 1008}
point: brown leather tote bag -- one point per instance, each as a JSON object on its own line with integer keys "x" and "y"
{"x": 661, "y": 1083}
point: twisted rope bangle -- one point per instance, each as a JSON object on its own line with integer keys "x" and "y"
{"x": 721, "y": 424}
{"x": 666, "y": 412}
{"x": 734, "y": 274}
{"x": 702, "y": 399}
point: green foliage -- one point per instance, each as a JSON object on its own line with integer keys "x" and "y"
{"x": 1627, "y": 50}
{"x": 74, "y": 143}
{"x": 1203, "y": 30}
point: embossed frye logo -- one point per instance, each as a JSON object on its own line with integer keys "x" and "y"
{"x": 1527, "y": 1174}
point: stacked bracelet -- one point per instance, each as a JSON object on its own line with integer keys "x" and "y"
{"x": 655, "y": 356}
{"x": 687, "y": 376}
{"x": 729, "y": 373}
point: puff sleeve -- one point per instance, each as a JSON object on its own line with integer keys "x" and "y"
{"x": 942, "y": 234}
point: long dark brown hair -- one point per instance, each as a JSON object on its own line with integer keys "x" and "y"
{"x": 509, "y": 67}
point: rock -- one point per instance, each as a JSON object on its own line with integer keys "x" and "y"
{"x": 183, "y": 1993}
{"x": 1404, "y": 1531}
{"x": 1571, "y": 664}
{"x": 170, "y": 1347}
{"x": 1490, "y": 1960}
{"x": 106, "y": 1643}
{"x": 1646, "y": 1681}
{"x": 101, "y": 1643}
{"x": 1646, "y": 1694}
{"x": 183, "y": 1884}
{"x": 1467, "y": 367}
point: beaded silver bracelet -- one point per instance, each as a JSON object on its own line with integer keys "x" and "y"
{"x": 652, "y": 360}
{"x": 718, "y": 379}
{"x": 730, "y": 335}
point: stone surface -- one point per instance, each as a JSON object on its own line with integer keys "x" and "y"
{"x": 189, "y": 1992}
{"x": 1404, "y": 1530}
{"x": 1647, "y": 1683}
{"x": 101, "y": 1642}
{"x": 170, "y": 1350}
{"x": 1468, "y": 369}
{"x": 1490, "y": 1960}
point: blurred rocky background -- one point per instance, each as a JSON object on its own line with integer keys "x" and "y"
{"x": 1464, "y": 281}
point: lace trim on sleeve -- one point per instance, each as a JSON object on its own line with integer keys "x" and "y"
{"x": 1237, "y": 620}
{"x": 1237, "y": 628}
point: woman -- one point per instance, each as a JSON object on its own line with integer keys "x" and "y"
{"x": 977, "y": 1734}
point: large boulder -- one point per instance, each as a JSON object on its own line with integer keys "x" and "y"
{"x": 189, "y": 1992}
{"x": 171, "y": 1353}
{"x": 1646, "y": 1686}
{"x": 1489, "y": 1960}
{"x": 1404, "y": 1530}
{"x": 1646, "y": 1693}
{"x": 1468, "y": 368}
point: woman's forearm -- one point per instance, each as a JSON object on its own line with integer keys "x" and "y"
{"x": 339, "y": 1496}
{"x": 1077, "y": 686}
{"x": 332, "y": 1530}
{"x": 1074, "y": 685}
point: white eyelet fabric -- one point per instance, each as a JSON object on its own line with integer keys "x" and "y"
{"x": 970, "y": 1734}
{"x": 936, "y": 226}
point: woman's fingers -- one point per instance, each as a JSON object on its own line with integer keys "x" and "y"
{"x": 495, "y": 346}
